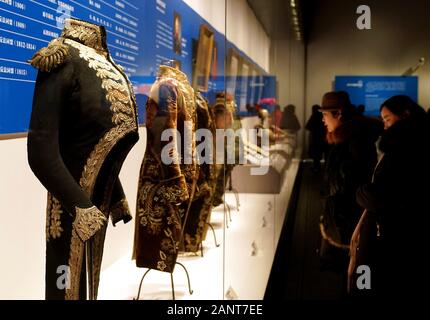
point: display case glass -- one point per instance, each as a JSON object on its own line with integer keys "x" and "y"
{"x": 199, "y": 72}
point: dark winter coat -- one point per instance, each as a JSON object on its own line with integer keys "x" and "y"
{"x": 289, "y": 121}
{"x": 350, "y": 163}
{"x": 317, "y": 131}
{"x": 394, "y": 238}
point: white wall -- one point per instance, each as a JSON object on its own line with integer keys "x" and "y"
{"x": 240, "y": 25}
{"x": 246, "y": 32}
{"x": 22, "y": 214}
{"x": 399, "y": 37}
{"x": 22, "y": 227}
{"x": 287, "y": 63}
{"x": 211, "y": 10}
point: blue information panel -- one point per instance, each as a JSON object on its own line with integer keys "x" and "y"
{"x": 372, "y": 91}
{"x": 141, "y": 34}
{"x": 28, "y": 25}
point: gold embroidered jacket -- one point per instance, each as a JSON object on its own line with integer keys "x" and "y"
{"x": 83, "y": 124}
{"x": 201, "y": 206}
{"x": 223, "y": 112}
{"x": 165, "y": 188}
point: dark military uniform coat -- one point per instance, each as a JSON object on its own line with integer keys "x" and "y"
{"x": 201, "y": 205}
{"x": 224, "y": 107}
{"x": 83, "y": 124}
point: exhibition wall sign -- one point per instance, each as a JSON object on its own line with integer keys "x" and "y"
{"x": 372, "y": 91}
{"x": 28, "y": 25}
{"x": 141, "y": 35}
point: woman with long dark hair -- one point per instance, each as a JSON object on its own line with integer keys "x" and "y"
{"x": 391, "y": 236}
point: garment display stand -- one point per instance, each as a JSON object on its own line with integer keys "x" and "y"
{"x": 213, "y": 232}
{"x": 193, "y": 188}
{"x": 171, "y": 281}
{"x": 228, "y": 215}
{"x": 235, "y": 192}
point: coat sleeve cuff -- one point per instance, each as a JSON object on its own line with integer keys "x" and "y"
{"x": 120, "y": 211}
{"x": 88, "y": 221}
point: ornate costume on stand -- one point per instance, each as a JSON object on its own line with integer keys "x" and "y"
{"x": 83, "y": 124}
{"x": 223, "y": 112}
{"x": 168, "y": 176}
{"x": 201, "y": 205}
{"x": 274, "y": 132}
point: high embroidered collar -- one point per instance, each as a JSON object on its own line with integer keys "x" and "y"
{"x": 169, "y": 72}
{"x": 225, "y": 101}
{"x": 182, "y": 82}
{"x": 88, "y": 34}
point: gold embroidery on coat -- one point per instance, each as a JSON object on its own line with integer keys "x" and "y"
{"x": 88, "y": 221}
{"x": 53, "y": 218}
{"x": 87, "y": 33}
{"x": 126, "y": 123}
{"x": 153, "y": 199}
{"x": 158, "y": 201}
{"x": 116, "y": 86}
{"x": 168, "y": 249}
{"x": 75, "y": 262}
{"x": 51, "y": 57}
{"x": 55, "y": 228}
{"x": 161, "y": 264}
{"x": 205, "y": 183}
{"x": 48, "y": 217}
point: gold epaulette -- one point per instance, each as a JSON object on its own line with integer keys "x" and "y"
{"x": 50, "y": 57}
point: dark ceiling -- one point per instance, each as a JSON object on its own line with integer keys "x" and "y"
{"x": 275, "y": 16}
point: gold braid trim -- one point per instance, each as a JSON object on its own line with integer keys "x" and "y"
{"x": 48, "y": 216}
{"x": 75, "y": 263}
{"x": 330, "y": 239}
{"x": 51, "y": 57}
